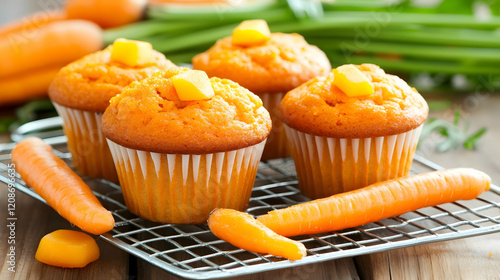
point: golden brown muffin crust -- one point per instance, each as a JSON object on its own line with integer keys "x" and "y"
{"x": 88, "y": 83}
{"x": 281, "y": 64}
{"x": 320, "y": 108}
{"x": 148, "y": 115}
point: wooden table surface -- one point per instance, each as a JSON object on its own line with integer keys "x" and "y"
{"x": 469, "y": 258}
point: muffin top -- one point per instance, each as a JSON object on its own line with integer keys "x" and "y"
{"x": 319, "y": 107}
{"x": 88, "y": 83}
{"x": 282, "y": 63}
{"x": 148, "y": 115}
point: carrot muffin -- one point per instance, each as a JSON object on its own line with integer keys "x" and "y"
{"x": 178, "y": 159}
{"x": 344, "y": 139}
{"x": 80, "y": 93}
{"x": 269, "y": 68}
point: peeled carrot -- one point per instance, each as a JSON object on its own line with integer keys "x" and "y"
{"x": 56, "y": 43}
{"x": 23, "y": 87}
{"x": 245, "y": 232}
{"x": 106, "y": 14}
{"x": 377, "y": 201}
{"x": 27, "y": 24}
{"x": 67, "y": 248}
{"x": 62, "y": 188}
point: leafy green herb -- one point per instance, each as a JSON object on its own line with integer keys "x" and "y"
{"x": 438, "y": 105}
{"x": 445, "y": 37}
{"x": 5, "y": 123}
{"x": 28, "y": 112}
{"x": 454, "y": 135}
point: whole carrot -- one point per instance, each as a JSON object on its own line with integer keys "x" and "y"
{"x": 245, "y": 232}
{"x": 377, "y": 201}
{"x": 27, "y": 24}
{"x": 62, "y": 188}
{"x": 55, "y": 43}
{"x": 21, "y": 88}
{"x": 107, "y": 14}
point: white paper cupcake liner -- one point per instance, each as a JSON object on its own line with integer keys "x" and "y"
{"x": 184, "y": 188}
{"x": 326, "y": 166}
{"x": 277, "y": 145}
{"x": 87, "y": 144}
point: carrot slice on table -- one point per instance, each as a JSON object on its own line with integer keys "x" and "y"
{"x": 245, "y": 232}
{"x": 62, "y": 188}
{"x": 377, "y": 201}
{"x": 67, "y": 248}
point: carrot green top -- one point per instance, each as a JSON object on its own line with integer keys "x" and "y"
{"x": 88, "y": 83}
{"x": 148, "y": 115}
{"x": 319, "y": 107}
{"x": 282, "y": 63}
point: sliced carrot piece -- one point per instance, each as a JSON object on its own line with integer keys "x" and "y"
{"x": 67, "y": 248}
{"x": 61, "y": 187}
{"x": 245, "y": 232}
{"x": 378, "y": 201}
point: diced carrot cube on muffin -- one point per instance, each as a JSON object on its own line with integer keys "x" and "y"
{"x": 131, "y": 52}
{"x": 352, "y": 81}
{"x": 193, "y": 85}
{"x": 251, "y": 32}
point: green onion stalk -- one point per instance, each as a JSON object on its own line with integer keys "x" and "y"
{"x": 448, "y": 39}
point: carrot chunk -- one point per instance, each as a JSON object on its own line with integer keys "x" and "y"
{"x": 251, "y": 32}
{"x": 132, "y": 52}
{"x": 193, "y": 85}
{"x": 245, "y": 232}
{"x": 377, "y": 201}
{"x": 352, "y": 81}
{"x": 67, "y": 248}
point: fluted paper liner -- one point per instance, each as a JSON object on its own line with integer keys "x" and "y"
{"x": 87, "y": 144}
{"x": 327, "y": 166}
{"x": 184, "y": 189}
{"x": 277, "y": 145}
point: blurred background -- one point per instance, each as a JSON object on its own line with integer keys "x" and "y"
{"x": 447, "y": 49}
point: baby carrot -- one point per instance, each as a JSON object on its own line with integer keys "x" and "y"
{"x": 62, "y": 188}
{"x": 377, "y": 201}
{"x": 245, "y": 232}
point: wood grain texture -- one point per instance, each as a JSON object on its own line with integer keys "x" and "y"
{"x": 34, "y": 220}
{"x": 470, "y": 258}
{"x": 331, "y": 270}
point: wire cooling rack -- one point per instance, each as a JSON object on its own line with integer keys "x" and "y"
{"x": 192, "y": 251}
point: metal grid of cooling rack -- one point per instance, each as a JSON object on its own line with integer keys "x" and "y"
{"x": 192, "y": 251}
